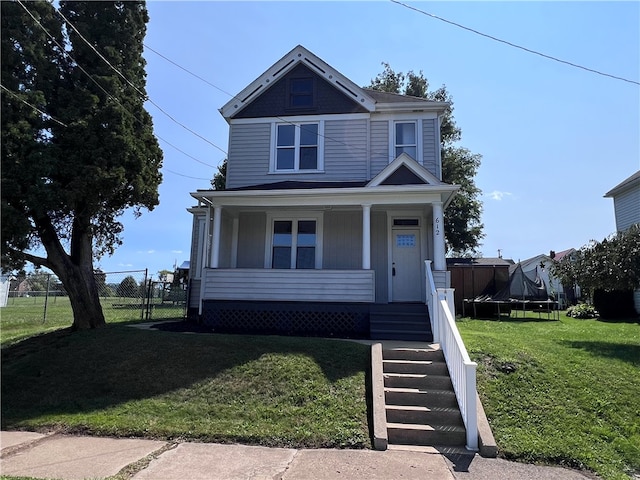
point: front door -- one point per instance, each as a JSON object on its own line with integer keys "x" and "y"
{"x": 406, "y": 269}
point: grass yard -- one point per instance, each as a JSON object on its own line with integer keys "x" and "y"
{"x": 565, "y": 392}
{"x": 122, "y": 381}
{"x": 24, "y": 317}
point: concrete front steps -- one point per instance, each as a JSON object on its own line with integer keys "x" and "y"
{"x": 420, "y": 403}
{"x": 400, "y": 321}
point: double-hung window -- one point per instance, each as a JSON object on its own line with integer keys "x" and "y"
{"x": 297, "y": 147}
{"x": 406, "y": 139}
{"x": 294, "y": 244}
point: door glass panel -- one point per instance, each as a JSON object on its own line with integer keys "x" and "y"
{"x": 405, "y": 241}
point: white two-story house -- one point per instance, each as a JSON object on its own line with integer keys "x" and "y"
{"x": 334, "y": 200}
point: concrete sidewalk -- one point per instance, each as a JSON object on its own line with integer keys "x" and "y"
{"x": 70, "y": 457}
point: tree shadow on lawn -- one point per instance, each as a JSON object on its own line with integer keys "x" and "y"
{"x": 620, "y": 351}
{"x": 77, "y": 372}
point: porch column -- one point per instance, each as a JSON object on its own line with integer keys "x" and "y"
{"x": 366, "y": 237}
{"x": 206, "y": 248}
{"x": 217, "y": 219}
{"x": 439, "y": 262}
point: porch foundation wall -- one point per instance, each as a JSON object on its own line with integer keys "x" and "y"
{"x": 326, "y": 319}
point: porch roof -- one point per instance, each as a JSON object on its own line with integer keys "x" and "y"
{"x": 307, "y": 196}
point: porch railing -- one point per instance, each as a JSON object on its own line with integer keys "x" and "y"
{"x": 461, "y": 369}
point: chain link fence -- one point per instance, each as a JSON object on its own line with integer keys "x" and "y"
{"x": 125, "y": 296}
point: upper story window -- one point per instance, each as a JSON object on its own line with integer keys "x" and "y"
{"x": 297, "y": 147}
{"x": 406, "y": 139}
{"x": 301, "y": 93}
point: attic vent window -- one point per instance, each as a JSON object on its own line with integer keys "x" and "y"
{"x": 301, "y": 93}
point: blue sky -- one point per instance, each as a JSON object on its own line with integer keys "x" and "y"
{"x": 554, "y": 138}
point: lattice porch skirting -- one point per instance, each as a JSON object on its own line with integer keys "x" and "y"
{"x": 343, "y": 320}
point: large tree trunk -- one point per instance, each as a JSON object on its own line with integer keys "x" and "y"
{"x": 80, "y": 283}
{"x": 75, "y": 270}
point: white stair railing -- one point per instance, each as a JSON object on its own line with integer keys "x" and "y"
{"x": 461, "y": 369}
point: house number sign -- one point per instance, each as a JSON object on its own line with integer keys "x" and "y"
{"x": 437, "y": 225}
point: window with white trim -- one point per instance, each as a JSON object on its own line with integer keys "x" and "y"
{"x": 298, "y": 147}
{"x": 406, "y": 139}
{"x": 294, "y": 244}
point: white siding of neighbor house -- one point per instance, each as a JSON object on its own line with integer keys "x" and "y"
{"x": 627, "y": 208}
{"x": 286, "y": 285}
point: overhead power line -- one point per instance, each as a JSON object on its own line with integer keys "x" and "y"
{"x": 111, "y": 97}
{"x": 142, "y": 94}
{"x": 185, "y": 176}
{"x": 550, "y": 57}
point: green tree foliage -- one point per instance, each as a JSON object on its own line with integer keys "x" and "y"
{"x": 219, "y": 181}
{"x": 128, "y": 287}
{"x": 69, "y": 173}
{"x": 463, "y": 226}
{"x": 613, "y": 264}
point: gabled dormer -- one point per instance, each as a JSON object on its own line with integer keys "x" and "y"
{"x": 299, "y": 84}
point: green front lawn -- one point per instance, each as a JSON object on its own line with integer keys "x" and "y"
{"x": 565, "y": 392}
{"x": 278, "y": 391}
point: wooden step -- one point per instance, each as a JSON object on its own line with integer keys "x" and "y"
{"x": 420, "y": 414}
{"x": 415, "y": 366}
{"x": 420, "y": 397}
{"x": 417, "y": 380}
{"x": 421, "y": 354}
{"x": 417, "y": 434}
{"x": 399, "y": 334}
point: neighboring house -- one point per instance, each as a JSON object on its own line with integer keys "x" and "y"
{"x": 626, "y": 204}
{"x": 334, "y": 200}
{"x": 539, "y": 267}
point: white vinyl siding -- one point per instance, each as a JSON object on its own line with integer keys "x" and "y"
{"x": 430, "y": 146}
{"x": 194, "y": 293}
{"x": 627, "y": 208}
{"x": 251, "y": 239}
{"x": 343, "y": 146}
{"x": 249, "y": 154}
{"x": 287, "y": 285}
{"x": 197, "y": 245}
{"x": 345, "y": 150}
{"x": 380, "y": 255}
{"x": 379, "y": 146}
{"x": 342, "y": 240}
